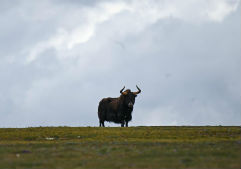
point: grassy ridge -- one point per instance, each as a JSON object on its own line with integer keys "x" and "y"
{"x": 133, "y": 147}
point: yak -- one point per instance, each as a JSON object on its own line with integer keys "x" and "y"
{"x": 117, "y": 110}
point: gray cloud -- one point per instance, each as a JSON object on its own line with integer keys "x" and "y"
{"x": 57, "y": 60}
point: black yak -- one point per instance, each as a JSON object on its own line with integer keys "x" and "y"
{"x": 117, "y": 110}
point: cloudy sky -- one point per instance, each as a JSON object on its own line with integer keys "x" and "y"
{"x": 58, "y": 58}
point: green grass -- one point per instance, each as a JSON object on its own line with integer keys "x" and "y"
{"x": 133, "y": 147}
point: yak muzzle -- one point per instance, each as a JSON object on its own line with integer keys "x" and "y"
{"x": 130, "y": 105}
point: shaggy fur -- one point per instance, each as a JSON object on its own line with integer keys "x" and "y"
{"x": 117, "y": 110}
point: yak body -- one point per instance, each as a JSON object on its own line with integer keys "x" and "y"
{"x": 117, "y": 110}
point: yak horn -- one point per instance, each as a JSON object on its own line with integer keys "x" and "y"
{"x": 122, "y": 89}
{"x": 139, "y": 90}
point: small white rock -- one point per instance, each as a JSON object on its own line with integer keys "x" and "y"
{"x": 49, "y": 138}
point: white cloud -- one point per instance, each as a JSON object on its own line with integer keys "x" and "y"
{"x": 142, "y": 13}
{"x": 218, "y": 10}
{"x": 81, "y": 33}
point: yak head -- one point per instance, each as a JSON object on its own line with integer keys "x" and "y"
{"x": 129, "y": 97}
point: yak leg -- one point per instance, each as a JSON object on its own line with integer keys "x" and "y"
{"x": 102, "y": 123}
{"x": 126, "y": 123}
{"x": 122, "y": 124}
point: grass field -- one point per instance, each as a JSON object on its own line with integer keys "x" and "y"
{"x": 114, "y": 147}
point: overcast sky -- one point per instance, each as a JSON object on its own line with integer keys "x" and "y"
{"x": 59, "y": 58}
